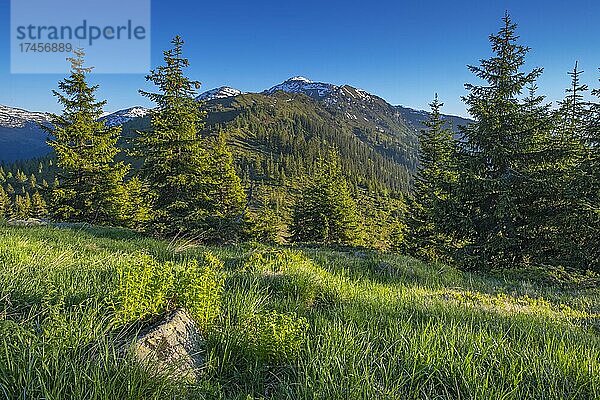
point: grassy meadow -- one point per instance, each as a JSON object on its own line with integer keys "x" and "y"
{"x": 286, "y": 322}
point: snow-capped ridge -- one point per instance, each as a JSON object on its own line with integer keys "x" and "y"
{"x": 222, "y": 92}
{"x": 299, "y": 79}
{"x": 11, "y": 117}
{"x": 320, "y": 90}
{"x": 122, "y": 116}
{"x": 300, "y": 84}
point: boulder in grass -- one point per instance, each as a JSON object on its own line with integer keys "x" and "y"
{"x": 172, "y": 347}
{"x": 27, "y": 222}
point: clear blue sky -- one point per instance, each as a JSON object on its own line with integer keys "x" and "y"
{"x": 403, "y": 51}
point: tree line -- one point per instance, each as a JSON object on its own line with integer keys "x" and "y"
{"x": 518, "y": 187}
{"x": 23, "y": 188}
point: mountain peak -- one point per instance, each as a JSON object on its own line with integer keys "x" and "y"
{"x": 299, "y": 79}
{"x": 300, "y": 84}
{"x": 219, "y": 93}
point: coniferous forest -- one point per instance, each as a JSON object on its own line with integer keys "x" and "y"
{"x": 319, "y": 258}
{"x": 517, "y": 186}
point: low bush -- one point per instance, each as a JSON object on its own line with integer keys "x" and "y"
{"x": 271, "y": 336}
{"x": 146, "y": 288}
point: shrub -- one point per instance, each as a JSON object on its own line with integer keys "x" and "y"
{"x": 147, "y": 288}
{"x": 269, "y": 260}
{"x": 271, "y": 336}
{"x": 199, "y": 288}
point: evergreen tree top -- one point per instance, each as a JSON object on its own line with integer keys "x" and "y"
{"x": 170, "y": 78}
{"x": 503, "y": 70}
{"x": 78, "y": 97}
{"x": 435, "y": 121}
{"x": 574, "y": 93}
{"x": 78, "y": 62}
{"x": 574, "y": 108}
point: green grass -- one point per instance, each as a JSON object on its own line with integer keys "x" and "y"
{"x": 291, "y": 323}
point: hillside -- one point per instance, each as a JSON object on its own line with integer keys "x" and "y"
{"x": 282, "y": 133}
{"x": 291, "y": 323}
{"x": 275, "y": 137}
{"x": 21, "y": 138}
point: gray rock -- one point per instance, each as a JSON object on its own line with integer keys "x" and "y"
{"x": 27, "y": 222}
{"x": 172, "y": 347}
{"x": 359, "y": 254}
{"x": 80, "y": 225}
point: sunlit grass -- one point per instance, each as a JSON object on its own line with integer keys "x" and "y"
{"x": 294, "y": 323}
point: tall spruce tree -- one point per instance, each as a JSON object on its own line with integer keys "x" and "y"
{"x": 591, "y": 177}
{"x": 494, "y": 166}
{"x": 325, "y": 212}
{"x": 195, "y": 186}
{"x": 430, "y": 220}
{"x": 535, "y": 186}
{"x": 579, "y": 141}
{"x": 89, "y": 178}
{"x": 567, "y": 179}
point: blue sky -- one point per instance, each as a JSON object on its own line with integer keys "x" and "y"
{"x": 403, "y": 51}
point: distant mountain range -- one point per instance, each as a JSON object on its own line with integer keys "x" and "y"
{"x": 21, "y": 138}
{"x": 20, "y": 134}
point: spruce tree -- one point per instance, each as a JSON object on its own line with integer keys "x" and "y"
{"x": 591, "y": 180}
{"x": 89, "y": 178}
{"x": 567, "y": 179}
{"x": 585, "y": 204}
{"x": 136, "y": 212}
{"x": 195, "y": 187}
{"x": 534, "y": 187}
{"x": 492, "y": 157}
{"x": 22, "y": 207}
{"x": 21, "y": 177}
{"x": 38, "y": 206}
{"x": 224, "y": 197}
{"x": 574, "y": 109}
{"x": 32, "y": 182}
{"x": 325, "y": 212}
{"x": 430, "y": 222}
{"x": 5, "y": 204}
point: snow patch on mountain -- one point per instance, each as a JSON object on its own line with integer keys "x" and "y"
{"x": 17, "y": 118}
{"x": 300, "y": 84}
{"x": 300, "y": 79}
{"x": 122, "y": 116}
{"x": 222, "y": 92}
